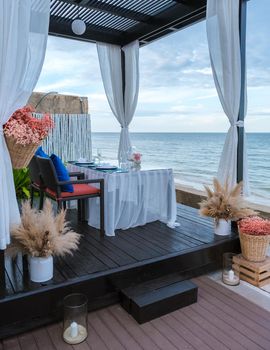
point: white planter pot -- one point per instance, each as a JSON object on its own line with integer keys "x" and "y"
{"x": 223, "y": 227}
{"x": 41, "y": 269}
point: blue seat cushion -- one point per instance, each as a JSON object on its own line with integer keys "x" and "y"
{"x": 40, "y": 153}
{"x": 62, "y": 173}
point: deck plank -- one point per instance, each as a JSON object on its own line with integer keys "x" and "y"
{"x": 42, "y": 339}
{"x": 132, "y": 327}
{"x": 55, "y": 334}
{"x": 111, "y": 341}
{"x": 27, "y": 341}
{"x": 11, "y": 344}
{"x": 247, "y": 309}
{"x": 118, "y": 330}
{"x": 207, "y": 325}
{"x": 104, "y": 244}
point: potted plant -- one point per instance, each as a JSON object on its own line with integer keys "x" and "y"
{"x": 224, "y": 205}
{"x": 254, "y": 233}
{"x": 42, "y": 235}
{"x": 24, "y": 133}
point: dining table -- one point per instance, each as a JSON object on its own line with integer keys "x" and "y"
{"x": 131, "y": 198}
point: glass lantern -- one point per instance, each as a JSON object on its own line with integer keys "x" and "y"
{"x": 230, "y": 275}
{"x": 75, "y": 318}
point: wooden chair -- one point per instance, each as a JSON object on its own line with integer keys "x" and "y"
{"x": 37, "y": 184}
{"x": 82, "y": 189}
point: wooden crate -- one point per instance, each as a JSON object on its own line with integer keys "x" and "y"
{"x": 257, "y": 274}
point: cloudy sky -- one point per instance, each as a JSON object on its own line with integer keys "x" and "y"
{"x": 177, "y": 92}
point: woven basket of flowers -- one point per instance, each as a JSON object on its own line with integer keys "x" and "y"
{"x": 254, "y": 233}
{"x": 24, "y": 134}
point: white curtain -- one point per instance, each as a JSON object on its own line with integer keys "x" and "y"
{"x": 123, "y": 105}
{"x": 23, "y": 38}
{"x": 222, "y": 25}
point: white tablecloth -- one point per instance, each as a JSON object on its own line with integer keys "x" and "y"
{"x": 133, "y": 199}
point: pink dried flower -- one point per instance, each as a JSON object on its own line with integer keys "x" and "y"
{"x": 254, "y": 226}
{"x": 27, "y": 129}
{"x": 136, "y": 157}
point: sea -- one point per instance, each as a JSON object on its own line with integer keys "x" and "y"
{"x": 194, "y": 157}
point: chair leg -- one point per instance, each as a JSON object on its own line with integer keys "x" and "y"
{"x": 41, "y": 199}
{"x": 31, "y": 196}
{"x": 102, "y": 230}
{"x": 79, "y": 210}
{"x": 59, "y": 205}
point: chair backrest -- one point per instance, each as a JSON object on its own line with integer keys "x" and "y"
{"x": 34, "y": 171}
{"x": 48, "y": 173}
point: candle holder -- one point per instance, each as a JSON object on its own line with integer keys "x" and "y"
{"x": 75, "y": 318}
{"x": 230, "y": 275}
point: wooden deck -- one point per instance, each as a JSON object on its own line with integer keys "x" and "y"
{"x": 103, "y": 266}
{"x": 220, "y": 320}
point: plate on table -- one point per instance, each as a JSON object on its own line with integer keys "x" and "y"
{"x": 106, "y": 167}
{"x": 84, "y": 163}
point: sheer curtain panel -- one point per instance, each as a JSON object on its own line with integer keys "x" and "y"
{"x": 23, "y": 38}
{"x": 120, "y": 75}
{"x": 223, "y": 36}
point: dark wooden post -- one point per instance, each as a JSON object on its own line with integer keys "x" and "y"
{"x": 241, "y": 116}
{"x": 2, "y": 274}
{"x": 123, "y": 74}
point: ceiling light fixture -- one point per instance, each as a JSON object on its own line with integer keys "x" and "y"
{"x": 78, "y": 26}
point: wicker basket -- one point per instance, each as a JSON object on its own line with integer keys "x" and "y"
{"x": 20, "y": 155}
{"x": 254, "y": 248}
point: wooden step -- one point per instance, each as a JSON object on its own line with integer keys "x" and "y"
{"x": 155, "y": 298}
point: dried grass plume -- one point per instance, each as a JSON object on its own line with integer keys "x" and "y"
{"x": 223, "y": 203}
{"x": 42, "y": 234}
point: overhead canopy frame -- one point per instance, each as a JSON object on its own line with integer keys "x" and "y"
{"x": 123, "y": 21}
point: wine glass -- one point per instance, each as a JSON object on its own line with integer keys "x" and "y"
{"x": 99, "y": 154}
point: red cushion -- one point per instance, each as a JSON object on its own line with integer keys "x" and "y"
{"x": 79, "y": 190}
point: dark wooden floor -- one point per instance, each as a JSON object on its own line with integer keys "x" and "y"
{"x": 220, "y": 320}
{"x": 128, "y": 248}
{"x": 102, "y": 266}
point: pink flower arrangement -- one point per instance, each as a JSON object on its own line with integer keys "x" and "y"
{"x": 255, "y": 226}
{"x": 25, "y": 128}
{"x": 136, "y": 157}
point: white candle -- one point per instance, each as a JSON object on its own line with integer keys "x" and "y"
{"x": 74, "y": 329}
{"x": 231, "y": 275}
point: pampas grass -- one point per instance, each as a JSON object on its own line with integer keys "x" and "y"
{"x": 223, "y": 203}
{"x": 42, "y": 234}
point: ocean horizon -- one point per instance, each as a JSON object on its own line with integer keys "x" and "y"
{"x": 193, "y": 156}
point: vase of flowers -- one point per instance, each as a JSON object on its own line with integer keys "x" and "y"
{"x": 224, "y": 205}
{"x": 254, "y": 233}
{"x": 24, "y": 133}
{"x": 42, "y": 235}
{"x": 136, "y": 159}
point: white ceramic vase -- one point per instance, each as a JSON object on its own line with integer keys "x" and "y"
{"x": 40, "y": 268}
{"x": 223, "y": 227}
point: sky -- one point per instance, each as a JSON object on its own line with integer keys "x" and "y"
{"x": 177, "y": 92}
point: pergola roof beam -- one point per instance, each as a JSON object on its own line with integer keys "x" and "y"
{"x": 116, "y": 11}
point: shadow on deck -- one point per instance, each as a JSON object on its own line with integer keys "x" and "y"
{"x": 103, "y": 266}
